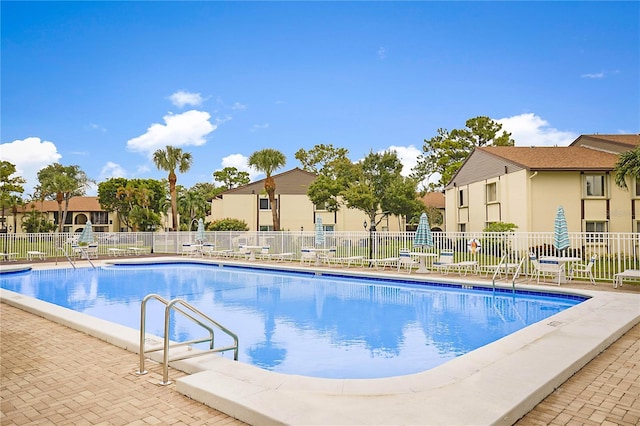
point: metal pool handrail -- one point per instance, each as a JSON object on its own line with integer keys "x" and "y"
{"x": 515, "y": 274}
{"x": 67, "y": 256}
{"x": 193, "y": 314}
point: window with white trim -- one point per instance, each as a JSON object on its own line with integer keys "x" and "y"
{"x": 491, "y": 192}
{"x": 463, "y": 198}
{"x": 595, "y": 231}
{"x": 265, "y": 205}
{"x": 321, "y": 206}
{"x": 637, "y": 183}
{"x": 594, "y": 185}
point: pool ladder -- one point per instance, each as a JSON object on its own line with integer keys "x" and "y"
{"x": 503, "y": 261}
{"x": 64, "y": 251}
{"x": 182, "y": 307}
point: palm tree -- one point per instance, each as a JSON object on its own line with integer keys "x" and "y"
{"x": 62, "y": 183}
{"x": 628, "y": 165}
{"x": 192, "y": 205}
{"x": 169, "y": 160}
{"x": 266, "y": 161}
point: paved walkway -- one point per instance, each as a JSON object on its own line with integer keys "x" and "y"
{"x": 51, "y": 374}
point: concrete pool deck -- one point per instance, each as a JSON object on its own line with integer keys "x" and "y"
{"x": 476, "y": 389}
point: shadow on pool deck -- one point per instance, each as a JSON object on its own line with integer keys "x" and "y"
{"x": 53, "y": 374}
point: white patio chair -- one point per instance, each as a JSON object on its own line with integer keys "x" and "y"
{"x": 307, "y": 255}
{"x": 208, "y": 249}
{"x": 188, "y": 250}
{"x": 444, "y": 262}
{"x": 329, "y": 256}
{"x": 265, "y": 253}
{"x": 584, "y": 269}
{"x": 405, "y": 260}
{"x": 242, "y": 253}
{"x": 544, "y": 268}
{"x": 91, "y": 252}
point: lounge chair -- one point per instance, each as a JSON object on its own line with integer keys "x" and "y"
{"x": 584, "y": 269}
{"x": 34, "y": 254}
{"x": 348, "y": 260}
{"x": 633, "y": 274}
{"x": 10, "y": 257}
{"x": 281, "y": 257}
{"x": 115, "y": 252}
{"x": 445, "y": 262}
{"x": 384, "y": 262}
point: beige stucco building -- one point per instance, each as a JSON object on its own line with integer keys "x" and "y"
{"x": 81, "y": 210}
{"x": 525, "y": 186}
{"x": 251, "y": 204}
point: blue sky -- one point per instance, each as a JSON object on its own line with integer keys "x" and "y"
{"x": 104, "y": 84}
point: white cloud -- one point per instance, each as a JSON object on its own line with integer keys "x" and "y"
{"x": 530, "y": 130}
{"x": 238, "y": 106}
{"x": 382, "y": 53}
{"x": 593, "y": 75}
{"x": 224, "y": 119}
{"x": 112, "y": 170}
{"x": 29, "y": 156}
{"x": 188, "y": 128}
{"x": 257, "y": 127}
{"x": 182, "y": 98}
{"x": 142, "y": 169}
{"x": 94, "y": 126}
{"x": 241, "y": 163}
{"x": 408, "y": 156}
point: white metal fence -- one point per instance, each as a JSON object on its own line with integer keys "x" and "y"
{"x": 616, "y": 251}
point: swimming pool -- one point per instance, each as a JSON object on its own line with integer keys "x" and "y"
{"x": 326, "y": 325}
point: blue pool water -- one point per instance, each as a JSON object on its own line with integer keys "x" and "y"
{"x": 295, "y": 323}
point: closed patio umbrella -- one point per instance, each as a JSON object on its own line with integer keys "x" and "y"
{"x": 200, "y": 231}
{"x": 423, "y": 237}
{"x": 560, "y": 231}
{"x": 319, "y": 232}
{"x": 86, "y": 236}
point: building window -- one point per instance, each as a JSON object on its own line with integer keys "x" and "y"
{"x": 594, "y": 185}
{"x": 463, "y": 198}
{"x": 462, "y": 227}
{"x": 637, "y": 187}
{"x": 595, "y": 231}
{"x": 265, "y": 205}
{"x": 492, "y": 192}
{"x": 99, "y": 218}
{"x": 265, "y": 228}
{"x": 321, "y": 206}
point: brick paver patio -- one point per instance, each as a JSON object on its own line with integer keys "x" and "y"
{"x": 51, "y": 374}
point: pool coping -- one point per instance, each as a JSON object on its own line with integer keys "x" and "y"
{"x": 486, "y": 386}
